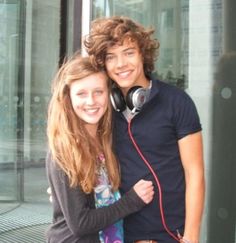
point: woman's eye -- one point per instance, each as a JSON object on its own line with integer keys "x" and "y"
{"x": 98, "y": 92}
{"x": 81, "y": 94}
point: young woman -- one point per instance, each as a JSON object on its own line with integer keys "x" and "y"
{"x": 82, "y": 169}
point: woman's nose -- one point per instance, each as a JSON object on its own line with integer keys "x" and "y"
{"x": 90, "y": 99}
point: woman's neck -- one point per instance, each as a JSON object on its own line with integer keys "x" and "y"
{"x": 96, "y": 141}
{"x": 92, "y": 129}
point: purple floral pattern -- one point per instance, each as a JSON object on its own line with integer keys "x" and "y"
{"x": 104, "y": 197}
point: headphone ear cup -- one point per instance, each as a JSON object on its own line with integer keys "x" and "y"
{"x": 130, "y": 95}
{"x": 117, "y": 99}
{"x": 136, "y": 97}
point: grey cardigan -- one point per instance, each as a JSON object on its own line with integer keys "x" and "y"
{"x": 75, "y": 219}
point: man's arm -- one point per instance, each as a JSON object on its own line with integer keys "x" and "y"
{"x": 191, "y": 152}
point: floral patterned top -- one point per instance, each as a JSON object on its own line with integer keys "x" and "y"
{"x": 104, "y": 197}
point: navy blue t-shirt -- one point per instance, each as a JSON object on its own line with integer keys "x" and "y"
{"x": 168, "y": 116}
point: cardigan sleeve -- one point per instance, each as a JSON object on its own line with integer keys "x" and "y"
{"x": 78, "y": 209}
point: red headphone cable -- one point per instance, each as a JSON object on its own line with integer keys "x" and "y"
{"x": 156, "y": 180}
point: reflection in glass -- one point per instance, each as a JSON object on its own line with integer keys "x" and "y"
{"x": 223, "y": 180}
{"x": 170, "y": 20}
{"x": 29, "y": 53}
{"x": 9, "y": 99}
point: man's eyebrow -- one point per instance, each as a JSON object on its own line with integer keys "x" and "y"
{"x": 127, "y": 49}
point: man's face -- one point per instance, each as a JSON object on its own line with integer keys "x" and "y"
{"x": 124, "y": 65}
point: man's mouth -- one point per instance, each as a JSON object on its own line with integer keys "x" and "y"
{"x": 123, "y": 74}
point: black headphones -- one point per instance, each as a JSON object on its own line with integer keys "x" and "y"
{"x": 135, "y": 98}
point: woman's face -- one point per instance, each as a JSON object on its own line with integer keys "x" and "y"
{"x": 89, "y": 97}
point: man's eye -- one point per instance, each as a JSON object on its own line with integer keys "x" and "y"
{"x": 109, "y": 58}
{"x": 130, "y": 53}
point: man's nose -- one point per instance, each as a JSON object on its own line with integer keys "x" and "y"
{"x": 121, "y": 61}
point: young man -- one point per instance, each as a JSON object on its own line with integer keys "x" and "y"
{"x": 157, "y": 134}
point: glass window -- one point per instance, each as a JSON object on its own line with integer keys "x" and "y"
{"x": 167, "y": 18}
{"x": 29, "y": 54}
{"x": 198, "y": 54}
{"x": 170, "y": 20}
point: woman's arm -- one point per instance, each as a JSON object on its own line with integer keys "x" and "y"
{"x": 191, "y": 152}
{"x": 79, "y": 210}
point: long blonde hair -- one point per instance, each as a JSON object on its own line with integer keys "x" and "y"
{"x": 70, "y": 144}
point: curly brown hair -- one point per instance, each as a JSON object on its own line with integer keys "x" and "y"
{"x": 107, "y": 32}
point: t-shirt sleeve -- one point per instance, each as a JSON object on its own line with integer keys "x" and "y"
{"x": 186, "y": 118}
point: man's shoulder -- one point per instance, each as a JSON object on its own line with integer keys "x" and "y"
{"x": 167, "y": 91}
{"x": 168, "y": 87}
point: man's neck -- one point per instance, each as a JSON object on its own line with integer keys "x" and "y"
{"x": 145, "y": 83}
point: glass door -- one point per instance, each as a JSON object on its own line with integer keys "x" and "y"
{"x": 11, "y": 100}
{"x": 30, "y": 46}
